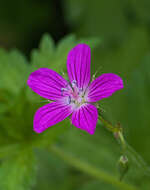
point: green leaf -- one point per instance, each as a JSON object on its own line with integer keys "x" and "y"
{"x": 8, "y": 150}
{"x": 93, "y": 42}
{"x": 17, "y": 121}
{"x": 43, "y": 57}
{"x": 13, "y": 70}
{"x": 51, "y": 135}
{"x": 47, "y": 45}
{"x": 104, "y": 152}
{"x": 5, "y": 100}
{"x": 18, "y": 173}
{"x": 55, "y": 58}
{"x": 52, "y": 172}
{"x": 95, "y": 185}
{"x": 91, "y": 170}
{"x": 66, "y": 44}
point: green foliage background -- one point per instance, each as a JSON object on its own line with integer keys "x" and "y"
{"x": 63, "y": 157}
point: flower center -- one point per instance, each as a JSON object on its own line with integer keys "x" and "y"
{"x": 75, "y": 96}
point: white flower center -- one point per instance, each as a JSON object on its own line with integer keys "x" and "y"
{"x": 74, "y": 95}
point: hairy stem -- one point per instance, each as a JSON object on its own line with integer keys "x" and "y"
{"x": 91, "y": 170}
{"x": 97, "y": 173}
{"x": 127, "y": 150}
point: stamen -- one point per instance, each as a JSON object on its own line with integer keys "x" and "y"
{"x": 69, "y": 99}
{"x": 73, "y": 94}
{"x": 74, "y": 83}
{"x": 63, "y": 90}
{"x": 94, "y": 75}
{"x": 80, "y": 90}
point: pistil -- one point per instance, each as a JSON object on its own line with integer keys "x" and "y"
{"x": 76, "y": 96}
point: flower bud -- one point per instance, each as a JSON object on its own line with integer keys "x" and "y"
{"x": 123, "y": 166}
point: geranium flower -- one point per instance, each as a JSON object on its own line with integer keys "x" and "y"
{"x": 74, "y": 99}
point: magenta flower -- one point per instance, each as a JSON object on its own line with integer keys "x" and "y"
{"x": 75, "y": 98}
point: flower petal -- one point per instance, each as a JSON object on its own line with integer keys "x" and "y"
{"x": 49, "y": 115}
{"x": 47, "y": 83}
{"x": 85, "y": 118}
{"x": 78, "y": 65}
{"x": 104, "y": 86}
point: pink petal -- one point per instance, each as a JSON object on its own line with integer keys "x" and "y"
{"x": 78, "y": 65}
{"x": 47, "y": 83}
{"x": 104, "y": 86}
{"x": 49, "y": 115}
{"x": 85, "y": 118}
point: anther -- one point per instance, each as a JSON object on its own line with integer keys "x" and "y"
{"x": 74, "y": 83}
{"x": 69, "y": 99}
{"x": 62, "y": 90}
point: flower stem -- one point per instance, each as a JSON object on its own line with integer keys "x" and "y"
{"x": 91, "y": 170}
{"x": 97, "y": 172}
{"x": 122, "y": 141}
{"x": 116, "y": 130}
{"x": 127, "y": 150}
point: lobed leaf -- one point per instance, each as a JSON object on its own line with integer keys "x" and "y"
{"x": 18, "y": 172}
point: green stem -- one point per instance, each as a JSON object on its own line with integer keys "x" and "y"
{"x": 91, "y": 170}
{"x": 126, "y": 148}
{"x": 98, "y": 173}
{"x": 122, "y": 141}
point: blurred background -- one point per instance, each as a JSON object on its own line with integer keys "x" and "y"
{"x": 39, "y": 33}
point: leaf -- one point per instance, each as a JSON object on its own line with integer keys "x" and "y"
{"x": 93, "y": 42}
{"x": 99, "y": 150}
{"x": 51, "y": 135}
{"x": 95, "y": 185}
{"x": 102, "y": 148}
{"x": 43, "y": 57}
{"x": 18, "y": 172}
{"x": 17, "y": 121}
{"x": 8, "y": 150}
{"x": 91, "y": 170}
{"x": 52, "y": 172}
{"x": 47, "y": 45}
{"x": 55, "y": 58}
{"x": 66, "y": 44}
{"x": 17, "y": 124}
{"x": 5, "y": 100}
{"x": 13, "y": 71}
